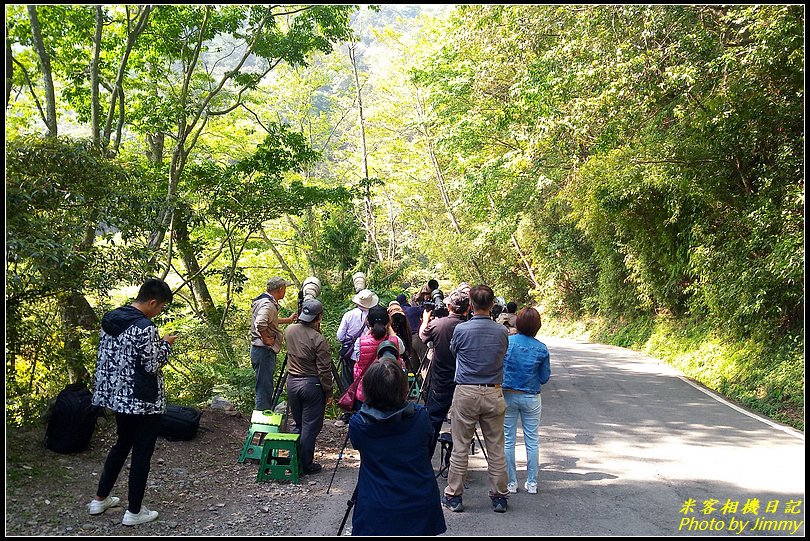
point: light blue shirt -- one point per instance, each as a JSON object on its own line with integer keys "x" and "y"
{"x": 479, "y": 346}
{"x": 352, "y": 325}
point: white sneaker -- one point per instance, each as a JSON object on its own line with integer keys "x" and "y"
{"x": 96, "y": 507}
{"x": 531, "y": 488}
{"x": 132, "y": 519}
{"x": 512, "y": 488}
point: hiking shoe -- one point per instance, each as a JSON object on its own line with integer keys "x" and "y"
{"x": 133, "y": 519}
{"x": 499, "y": 504}
{"x": 531, "y": 488}
{"x": 512, "y": 488}
{"x": 313, "y": 468}
{"x": 453, "y": 503}
{"x": 96, "y": 507}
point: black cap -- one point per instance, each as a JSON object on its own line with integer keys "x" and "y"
{"x": 310, "y": 310}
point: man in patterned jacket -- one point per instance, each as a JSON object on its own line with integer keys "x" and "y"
{"x": 129, "y": 382}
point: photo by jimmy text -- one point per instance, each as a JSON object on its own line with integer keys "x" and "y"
{"x": 776, "y": 516}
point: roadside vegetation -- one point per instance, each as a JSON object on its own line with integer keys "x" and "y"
{"x": 636, "y": 171}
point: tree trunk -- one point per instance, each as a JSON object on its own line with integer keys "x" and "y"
{"x": 47, "y": 77}
{"x": 76, "y": 314}
{"x": 197, "y": 284}
{"x": 281, "y": 260}
{"x": 525, "y": 262}
{"x": 434, "y": 160}
{"x": 371, "y": 234}
{"x": 522, "y": 257}
{"x": 118, "y": 88}
{"x": 95, "y": 106}
{"x": 164, "y": 219}
{"x": 157, "y": 142}
{"x": 9, "y": 69}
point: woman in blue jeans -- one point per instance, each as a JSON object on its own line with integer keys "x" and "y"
{"x": 526, "y": 367}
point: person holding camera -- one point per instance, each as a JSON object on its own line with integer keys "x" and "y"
{"x": 352, "y": 325}
{"x": 128, "y": 381}
{"x": 440, "y": 384}
{"x": 397, "y": 493}
{"x": 508, "y": 317}
{"x": 400, "y": 325}
{"x": 479, "y": 346}
{"x": 414, "y": 314}
{"x": 266, "y": 338}
{"x": 309, "y": 379}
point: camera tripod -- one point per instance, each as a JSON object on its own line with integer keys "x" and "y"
{"x": 423, "y": 375}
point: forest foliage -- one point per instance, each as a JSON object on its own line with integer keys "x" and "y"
{"x": 637, "y": 168}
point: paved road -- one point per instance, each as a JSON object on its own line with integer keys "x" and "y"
{"x": 625, "y": 441}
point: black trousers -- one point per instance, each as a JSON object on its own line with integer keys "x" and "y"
{"x": 136, "y": 433}
{"x": 439, "y": 400}
{"x": 307, "y": 406}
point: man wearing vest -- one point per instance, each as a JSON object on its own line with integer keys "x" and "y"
{"x": 266, "y": 338}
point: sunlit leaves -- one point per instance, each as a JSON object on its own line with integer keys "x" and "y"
{"x": 59, "y": 192}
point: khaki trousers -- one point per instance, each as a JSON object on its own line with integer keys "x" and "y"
{"x": 485, "y": 406}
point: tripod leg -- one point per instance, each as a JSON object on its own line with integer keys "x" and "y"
{"x": 425, "y": 389}
{"x": 280, "y": 382}
{"x": 337, "y": 379}
{"x": 481, "y": 445}
{"x": 340, "y": 455}
{"x": 349, "y": 506}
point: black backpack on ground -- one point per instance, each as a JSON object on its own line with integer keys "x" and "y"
{"x": 72, "y": 420}
{"x": 179, "y": 422}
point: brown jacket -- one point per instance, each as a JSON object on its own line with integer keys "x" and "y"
{"x": 308, "y": 354}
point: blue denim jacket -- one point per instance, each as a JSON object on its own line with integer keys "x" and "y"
{"x": 526, "y": 365}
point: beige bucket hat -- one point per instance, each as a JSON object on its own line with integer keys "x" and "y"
{"x": 366, "y": 298}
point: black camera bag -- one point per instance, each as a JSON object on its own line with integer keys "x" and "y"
{"x": 72, "y": 420}
{"x": 179, "y": 422}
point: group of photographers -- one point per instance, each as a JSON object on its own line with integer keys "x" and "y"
{"x": 486, "y": 372}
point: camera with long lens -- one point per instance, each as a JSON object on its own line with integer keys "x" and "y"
{"x": 436, "y": 305}
{"x": 310, "y": 289}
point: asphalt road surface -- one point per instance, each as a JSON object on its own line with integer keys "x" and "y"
{"x": 629, "y": 447}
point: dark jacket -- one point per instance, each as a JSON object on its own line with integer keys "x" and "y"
{"x": 414, "y": 316}
{"x": 128, "y": 368}
{"x": 397, "y": 493}
{"x": 440, "y": 332}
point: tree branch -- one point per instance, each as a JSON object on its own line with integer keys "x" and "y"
{"x": 33, "y": 94}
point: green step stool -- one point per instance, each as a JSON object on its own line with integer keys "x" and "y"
{"x": 280, "y": 458}
{"x": 266, "y": 417}
{"x": 261, "y": 423}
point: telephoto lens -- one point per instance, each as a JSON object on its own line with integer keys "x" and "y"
{"x": 311, "y": 288}
{"x": 359, "y": 282}
{"x": 438, "y": 297}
